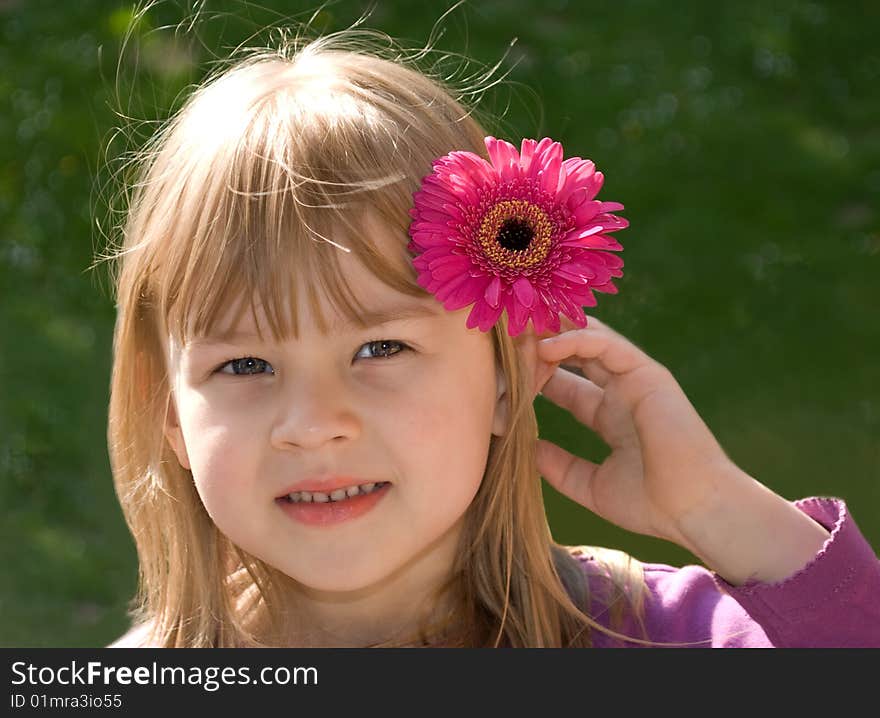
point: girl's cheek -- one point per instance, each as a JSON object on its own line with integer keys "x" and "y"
{"x": 223, "y": 469}
{"x": 219, "y": 405}
{"x": 217, "y": 431}
{"x": 217, "y": 444}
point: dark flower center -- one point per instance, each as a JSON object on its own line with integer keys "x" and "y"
{"x": 515, "y": 234}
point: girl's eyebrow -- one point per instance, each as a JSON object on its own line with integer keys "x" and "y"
{"x": 370, "y": 318}
{"x": 377, "y": 317}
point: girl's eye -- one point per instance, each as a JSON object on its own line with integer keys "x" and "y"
{"x": 382, "y": 348}
{"x": 245, "y": 366}
{"x": 250, "y": 366}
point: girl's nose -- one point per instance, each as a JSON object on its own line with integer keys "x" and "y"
{"x": 313, "y": 413}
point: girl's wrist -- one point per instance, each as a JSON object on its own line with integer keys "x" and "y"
{"x": 750, "y": 533}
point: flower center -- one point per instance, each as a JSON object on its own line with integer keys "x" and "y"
{"x": 516, "y": 234}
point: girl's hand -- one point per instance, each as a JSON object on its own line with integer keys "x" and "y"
{"x": 664, "y": 460}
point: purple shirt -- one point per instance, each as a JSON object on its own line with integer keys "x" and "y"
{"x": 832, "y": 602}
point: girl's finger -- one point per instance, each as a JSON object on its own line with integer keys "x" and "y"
{"x": 588, "y": 368}
{"x": 565, "y": 325}
{"x": 570, "y": 475}
{"x": 612, "y": 351}
{"x": 576, "y": 394}
{"x": 593, "y": 370}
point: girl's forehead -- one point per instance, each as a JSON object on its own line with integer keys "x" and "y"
{"x": 363, "y": 277}
{"x": 375, "y": 303}
{"x": 378, "y": 310}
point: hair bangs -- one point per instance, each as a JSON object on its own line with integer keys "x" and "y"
{"x": 282, "y": 208}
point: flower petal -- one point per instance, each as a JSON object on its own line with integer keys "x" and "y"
{"x": 612, "y": 261}
{"x": 457, "y": 294}
{"x": 433, "y": 237}
{"x": 609, "y": 222}
{"x": 483, "y": 316}
{"x": 576, "y": 198}
{"x": 593, "y": 241}
{"x": 434, "y": 253}
{"x": 527, "y": 154}
{"x": 446, "y": 288}
{"x": 573, "y": 311}
{"x": 570, "y": 276}
{"x": 586, "y": 211}
{"x": 540, "y": 316}
{"x": 582, "y": 264}
{"x": 436, "y": 189}
{"x": 583, "y": 232}
{"x": 503, "y": 155}
{"x": 493, "y": 292}
{"x": 446, "y": 270}
{"x": 524, "y": 291}
{"x": 594, "y": 184}
{"x": 539, "y": 161}
{"x": 479, "y": 171}
{"x": 578, "y": 172}
{"x": 607, "y": 288}
{"x": 549, "y": 176}
{"x": 517, "y": 315}
{"x": 430, "y": 215}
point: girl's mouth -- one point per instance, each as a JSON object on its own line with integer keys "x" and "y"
{"x": 320, "y": 509}
{"x": 333, "y": 496}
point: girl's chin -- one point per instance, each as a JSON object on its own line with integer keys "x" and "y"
{"x": 347, "y": 578}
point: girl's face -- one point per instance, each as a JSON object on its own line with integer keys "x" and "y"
{"x": 412, "y": 401}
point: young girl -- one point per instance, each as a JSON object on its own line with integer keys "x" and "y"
{"x": 337, "y": 300}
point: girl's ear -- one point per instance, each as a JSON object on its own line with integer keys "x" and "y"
{"x": 502, "y": 405}
{"x": 174, "y": 434}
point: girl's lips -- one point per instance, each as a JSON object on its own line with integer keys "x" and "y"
{"x": 325, "y": 485}
{"x": 332, "y": 512}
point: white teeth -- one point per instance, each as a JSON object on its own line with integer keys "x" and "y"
{"x": 337, "y": 495}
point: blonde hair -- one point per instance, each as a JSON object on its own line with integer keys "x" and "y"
{"x": 236, "y": 194}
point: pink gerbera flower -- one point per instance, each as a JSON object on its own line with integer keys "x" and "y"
{"x": 522, "y": 233}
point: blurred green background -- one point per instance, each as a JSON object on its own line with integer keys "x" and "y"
{"x": 743, "y": 138}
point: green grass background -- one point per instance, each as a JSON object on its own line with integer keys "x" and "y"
{"x": 743, "y": 138}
